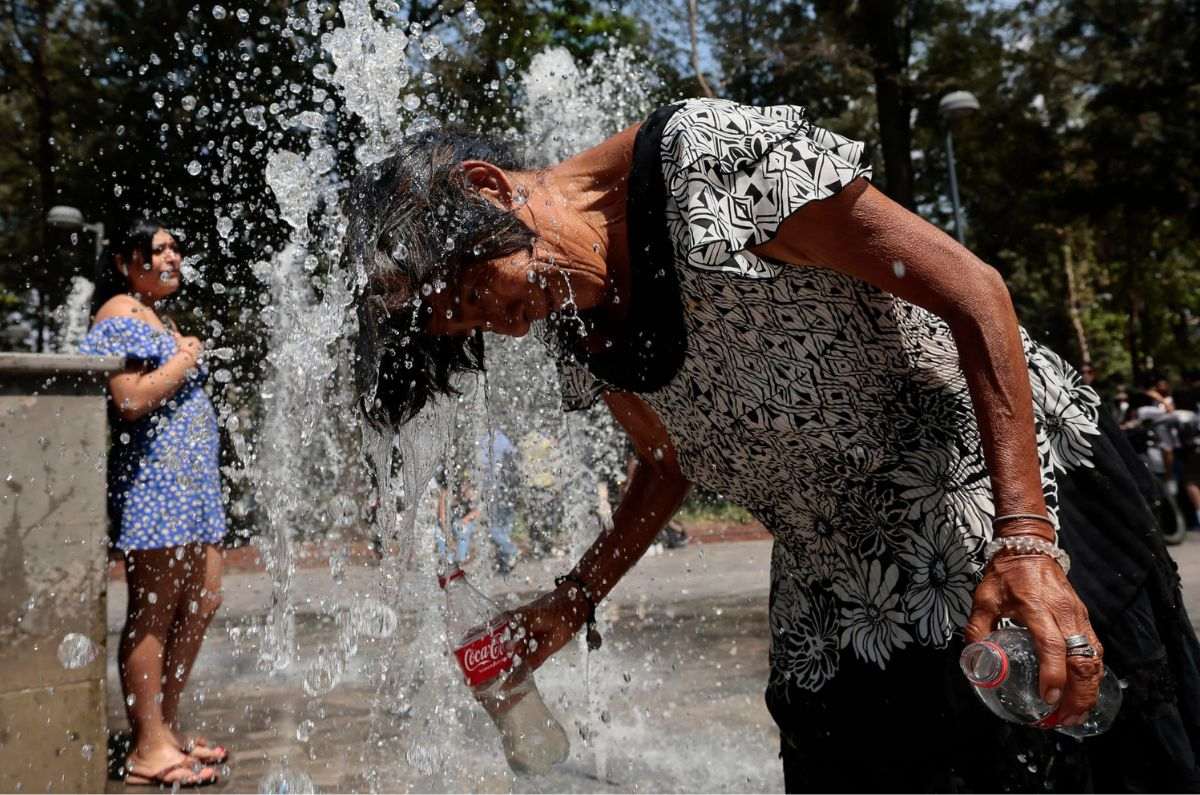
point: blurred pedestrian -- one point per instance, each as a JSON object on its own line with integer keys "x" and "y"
{"x": 498, "y": 476}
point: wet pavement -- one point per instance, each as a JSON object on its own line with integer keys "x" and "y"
{"x": 672, "y": 702}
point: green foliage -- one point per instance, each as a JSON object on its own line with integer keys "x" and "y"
{"x": 1085, "y": 141}
{"x": 1084, "y": 147}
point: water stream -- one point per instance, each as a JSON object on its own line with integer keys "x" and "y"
{"x": 310, "y": 432}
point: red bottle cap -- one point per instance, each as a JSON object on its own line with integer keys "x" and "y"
{"x": 453, "y": 575}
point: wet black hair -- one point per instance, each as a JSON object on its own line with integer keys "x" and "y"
{"x": 136, "y": 236}
{"x": 415, "y": 221}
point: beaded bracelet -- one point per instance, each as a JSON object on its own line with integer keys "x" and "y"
{"x": 1028, "y": 545}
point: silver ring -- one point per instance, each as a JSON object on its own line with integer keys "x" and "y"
{"x": 1077, "y": 641}
{"x": 1082, "y": 651}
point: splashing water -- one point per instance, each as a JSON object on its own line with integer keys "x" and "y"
{"x": 73, "y": 315}
{"x": 76, "y": 651}
{"x": 310, "y": 433}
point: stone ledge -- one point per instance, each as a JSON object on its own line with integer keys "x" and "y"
{"x": 56, "y": 363}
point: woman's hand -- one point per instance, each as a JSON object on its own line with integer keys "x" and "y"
{"x": 1033, "y": 591}
{"x": 546, "y": 624}
{"x": 191, "y": 346}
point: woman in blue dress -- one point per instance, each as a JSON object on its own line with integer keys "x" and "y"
{"x": 164, "y": 500}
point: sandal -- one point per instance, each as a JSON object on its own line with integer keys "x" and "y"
{"x": 199, "y": 749}
{"x": 163, "y": 778}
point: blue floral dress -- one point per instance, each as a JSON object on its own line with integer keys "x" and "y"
{"x": 164, "y": 484}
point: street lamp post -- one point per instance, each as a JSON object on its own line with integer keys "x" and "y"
{"x": 955, "y": 105}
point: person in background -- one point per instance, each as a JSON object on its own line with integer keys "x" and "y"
{"x": 497, "y": 474}
{"x": 464, "y": 514}
{"x": 1187, "y": 399}
{"x": 164, "y": 494}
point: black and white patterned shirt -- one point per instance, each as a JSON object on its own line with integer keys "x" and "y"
{"x": 834, "y": 412}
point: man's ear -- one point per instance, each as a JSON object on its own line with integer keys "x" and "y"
{"x": 491, "y": 182}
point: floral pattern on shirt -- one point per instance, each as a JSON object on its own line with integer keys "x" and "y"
{"x": 836, "y": 413}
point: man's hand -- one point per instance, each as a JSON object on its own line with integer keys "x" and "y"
{"x": 1033, "y": 591}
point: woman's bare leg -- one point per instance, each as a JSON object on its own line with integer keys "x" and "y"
{"x": 155, "y": 579}
{"x": 201, "y": 597}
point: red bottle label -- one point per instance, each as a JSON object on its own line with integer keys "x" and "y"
{"x": 484, "y": 657}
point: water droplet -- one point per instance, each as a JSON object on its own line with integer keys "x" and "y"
{"x": 255, "y": 116}
{"x": 449, "y": 314}
{"x": 477, "y": 25}
{"x": 76, "y": 651}
{"x": 304, "y": 730}
{"x": 431, "y": 46}
{"x": 87, "y": 750}
{"x": 323, "y": 673}
{"x": 218, "y": 12}
{"x": 193, "y": 167}
{"x": 426, "y": 289}
{"x": 898, "y": 269}
{"x": 224, "y": 226}
{"x": 374, "y": 619}
{"x": 152, "y": 598}
{"x": 223, "y": 376}
{"x": 243, "y": 15}
{"x": 124, "y": 437}
{"x": 159, "y": 100}
{"x": 285, "y": 781}
{"x": 130, "y": 699}
{"x": 188, "y": 103}
{"x": 411, "y": 102}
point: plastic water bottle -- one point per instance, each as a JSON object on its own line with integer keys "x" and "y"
{"x": 1004, "y": 670}
{"x": 532, "y": 739}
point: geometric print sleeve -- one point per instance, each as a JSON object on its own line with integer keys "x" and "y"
{"x": 734, "y": 173}
{"x": 580, "y": 389}
{"x": 122, "y": 336}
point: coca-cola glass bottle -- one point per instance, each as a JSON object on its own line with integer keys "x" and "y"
{"x": 1004, "y": 670}
{"x": 480, "y": 639}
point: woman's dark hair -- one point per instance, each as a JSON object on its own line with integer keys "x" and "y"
{"x": 414, "y": 224}
{"x": 138, "y": 236}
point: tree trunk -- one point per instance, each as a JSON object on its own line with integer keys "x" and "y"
{"x": 885, "y": 26}
{"x": 48, "y": 190}
{"x": 705, "y": 88}
{"x": 1068, "y": 261}
{"x": 895, "y": 135}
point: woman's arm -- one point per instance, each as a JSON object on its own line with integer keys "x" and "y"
{"x": 862, "y": 233}
{"x": 137, "y": 393}
{"x": 654, "y": 492}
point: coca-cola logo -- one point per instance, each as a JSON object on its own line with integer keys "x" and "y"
{"x": 473, "y": 658}
{"x": 483, "y": 658}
